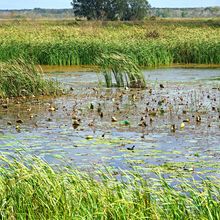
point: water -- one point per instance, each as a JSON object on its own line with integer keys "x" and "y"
{"x": 188, "y": 93}
{"x": 182, "y": 74}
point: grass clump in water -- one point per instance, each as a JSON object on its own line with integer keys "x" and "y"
{"x": 37, "y": 191}
{"x": 121, "y": 69}
{"x": 19, "y": 78}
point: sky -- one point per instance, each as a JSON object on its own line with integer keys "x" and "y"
{"x": 29, "y": 4}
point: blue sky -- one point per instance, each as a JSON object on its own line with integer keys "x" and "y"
{"x": 20, "y": 4}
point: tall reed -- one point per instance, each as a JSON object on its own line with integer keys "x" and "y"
{"x": 175, "y": 42}
{"x": 19, "y": 78}
{"x": 122, "y": 69}
{"x": 37, "y": 191}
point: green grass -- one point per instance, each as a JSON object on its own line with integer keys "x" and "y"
{"x": 122, "y": 69}
{"x": 149, "y": 43}
{"x": 37, "y": 191}
{"x": 19, "y": 78}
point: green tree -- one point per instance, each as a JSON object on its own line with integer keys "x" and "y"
{"x": 184, "y": 14}
{"x": 115, "y": 9}
{"x": 111, "y": 9}
{"x": 89, "y": 8}
{"x": 136, "y": 9}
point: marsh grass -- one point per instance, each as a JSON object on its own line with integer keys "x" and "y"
{"x": 23, "y": 78}
{"x": 38, "y": 191}
{"x": 150, "y": 43}
{"x": 121, "y": 69}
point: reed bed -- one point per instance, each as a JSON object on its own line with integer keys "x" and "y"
{"x": 38, "y": 191}
{"x": 150, "y": 43}
{"x": 19, "y": 78}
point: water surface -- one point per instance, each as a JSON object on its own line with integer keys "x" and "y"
{"x": 98, "y": 142}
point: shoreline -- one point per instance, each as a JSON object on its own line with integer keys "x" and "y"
{"x": 93, "y": 68}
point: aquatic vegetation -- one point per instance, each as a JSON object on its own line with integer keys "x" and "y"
{"x": 19, "y": 78}
{"x": 149, "y": 43}
{"x": 131, "y": 117}
{"x": 122, "y": 69}
{"x": 38, "y": 191}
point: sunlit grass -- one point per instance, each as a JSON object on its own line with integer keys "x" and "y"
{"x": 20, "y": 78}
{"x": 37, "y": 191}
{"x": 150, "y": 43}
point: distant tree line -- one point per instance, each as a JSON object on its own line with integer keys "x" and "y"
{"x": 152, "y": 12}
{"x": 185, "y": 12}
{"x": 111, "y": 9}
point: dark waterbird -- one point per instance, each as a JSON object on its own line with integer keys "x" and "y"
{"x": 131, "y": 148}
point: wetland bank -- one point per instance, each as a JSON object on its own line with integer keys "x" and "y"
{"x": 150, "y": 150}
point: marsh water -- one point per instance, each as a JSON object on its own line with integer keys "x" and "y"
{"x": 172, "y": 126}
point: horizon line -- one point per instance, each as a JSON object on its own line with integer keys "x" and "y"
{"x": 20, "y": 9}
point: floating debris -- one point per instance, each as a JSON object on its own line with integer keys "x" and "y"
{"x": 184, "y": 112}
{"x": 125, "y": 122}
{"x": 162, "y": 111}
{"x": 5, "y": 106}
{"x": 143, "y": 118}
{"x": 198, "y": 118}
{"x": 19, "y": 121}
{"x": 99, "y": 108}
{"x": 75, "y": 124}
{"x": 101, "y": 115}
{"x": 143, "y": 124}
{"x": 153, "y": 113}
{"x": 91, "y": 124}
{"x": 52, "y": 109}
{"x": 162, "y": 86}
{"x": 91, "y": 106}
{"x": 74, "y": 117}
{"x": 173, "y": 128}
{"x": 114, "y": 119}
{"x": 187, "y": 120}
{"x": 182, "y": 125}
{"x": 89, "y": 137}
{"x": 188, "y": 168}
{"x": 18, "y": 129}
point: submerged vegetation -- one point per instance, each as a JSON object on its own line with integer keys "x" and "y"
{"x": 122, "y": 69}
{"x": 150, "y": 43}
{"x": 19, "y": 78}
{"x": 37, "y": 191}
